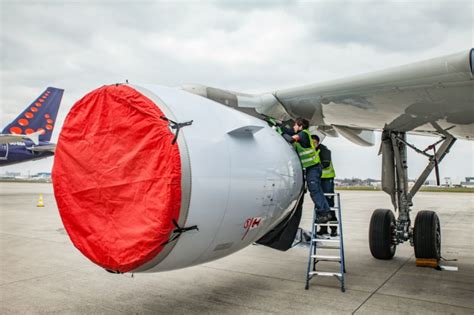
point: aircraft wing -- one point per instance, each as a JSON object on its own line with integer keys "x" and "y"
{"x": 9, "y": 138}
{"x": 43, "y": 148}
{"x": 420, "y": 97}
{"x": 424, "y": 98}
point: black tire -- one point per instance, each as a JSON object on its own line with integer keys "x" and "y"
{"x": 381, "y": 229}
{"x": 427, "y": 235}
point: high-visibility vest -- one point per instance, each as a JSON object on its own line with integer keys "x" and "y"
{"x": 329, "y": 171}
{"x": 308, "y": 156}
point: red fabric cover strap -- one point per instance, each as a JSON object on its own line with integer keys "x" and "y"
{"x": 117, "y": 178}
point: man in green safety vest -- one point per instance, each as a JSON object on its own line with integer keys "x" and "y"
{"x": 309, "y": 157}
{"x": 327, "y": 182}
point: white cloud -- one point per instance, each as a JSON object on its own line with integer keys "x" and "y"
{"x": 391, "y": 25}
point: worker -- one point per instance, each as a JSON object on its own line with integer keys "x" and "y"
{"x": 310, "y": 161}
{"x": 327, "y": 182}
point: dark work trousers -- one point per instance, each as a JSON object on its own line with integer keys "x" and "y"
{"x": 327, "y": 184}
{"x": 313, "y": 180}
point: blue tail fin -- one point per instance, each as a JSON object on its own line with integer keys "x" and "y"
{"x": 39, "y": 116}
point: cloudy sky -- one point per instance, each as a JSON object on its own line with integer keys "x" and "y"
{"x": 245, "y": 46}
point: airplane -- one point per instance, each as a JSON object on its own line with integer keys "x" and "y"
{"x": 27, "y": 137}
{"x": 149, "y": 178}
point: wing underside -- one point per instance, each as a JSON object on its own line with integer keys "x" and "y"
{"x": 420, "y": 97}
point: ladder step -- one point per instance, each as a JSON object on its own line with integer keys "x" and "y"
{"x": 326, "y": 224}
{"x": 326, "y": 258}
{"x": 326, "y": 240}
{"x": 325, "y": 274}
{"x": 334, "y": 208}
{"x": 327, "y": 247}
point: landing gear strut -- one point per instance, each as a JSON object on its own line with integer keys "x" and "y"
{"x": 385, "y": 233}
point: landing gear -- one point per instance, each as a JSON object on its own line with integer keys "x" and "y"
{"x": 385, "y": 233}
{"x": 381, "y": 234}
{"x": 427, "y": 235}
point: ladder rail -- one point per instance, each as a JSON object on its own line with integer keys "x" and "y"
{"x": 341, "y": 237}
{"x": 311, "y": 247}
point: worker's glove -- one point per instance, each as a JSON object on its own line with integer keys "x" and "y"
{"x": 272, "y": 121}
{"x": 288, "y": 138}
{"x": 325, "y": 163}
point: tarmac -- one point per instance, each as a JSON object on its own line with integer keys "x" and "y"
{"x": 42, "y": 272}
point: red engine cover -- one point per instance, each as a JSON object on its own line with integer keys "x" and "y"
{"x": 117, "y": 177}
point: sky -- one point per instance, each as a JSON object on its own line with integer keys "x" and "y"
{"x": 247, "y": 46}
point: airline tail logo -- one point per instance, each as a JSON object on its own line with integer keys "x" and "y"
{"x": 39, "y": 116}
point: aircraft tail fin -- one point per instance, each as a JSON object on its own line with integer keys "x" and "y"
{"x": 39, "y": 116}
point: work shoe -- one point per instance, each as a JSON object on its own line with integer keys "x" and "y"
{"x": 333, "y": 232}
{"x": 322, "y": 231}
{"x": 322, "y": 218}
{"x": 306, "y": 236}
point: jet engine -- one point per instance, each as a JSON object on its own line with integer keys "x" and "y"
{"x": 149, "y": 178}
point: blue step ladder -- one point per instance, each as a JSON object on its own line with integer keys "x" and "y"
{"x": 327, "y": 248}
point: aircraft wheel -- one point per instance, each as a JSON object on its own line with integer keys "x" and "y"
{"x": 427, "y": 235}
{"x": 381, "y": 229}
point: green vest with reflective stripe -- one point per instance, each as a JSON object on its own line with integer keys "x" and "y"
{"x": 329, "y": 171}
{"x": 308, "y": 156}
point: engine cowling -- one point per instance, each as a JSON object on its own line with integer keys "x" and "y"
{"x": 149, "y": 178}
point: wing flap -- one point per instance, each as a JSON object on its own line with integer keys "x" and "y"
{"x": 361, "y": 137}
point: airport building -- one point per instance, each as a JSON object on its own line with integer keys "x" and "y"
{"x": 468, "y": 183}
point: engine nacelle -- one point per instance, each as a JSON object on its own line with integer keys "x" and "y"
{"x": 139, "y": 193}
